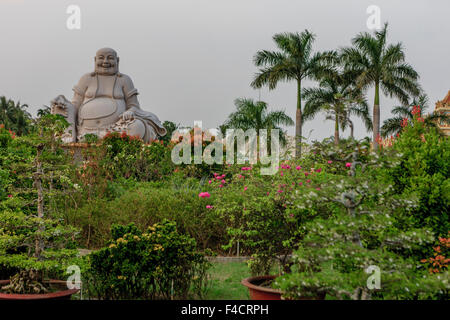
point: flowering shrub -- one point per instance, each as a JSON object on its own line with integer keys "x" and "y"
{"x": 127, "y": 156}
{"x": 263, "y": 213}
{"x": 159, "y": 263}
{"x": 366, "y": 229}
{"x": 439, "y": 263}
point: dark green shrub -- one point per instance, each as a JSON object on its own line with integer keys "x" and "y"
{"x": 424, "y": 171}
{"x": 150, "y": 203}
{"x": 159, "y": 263}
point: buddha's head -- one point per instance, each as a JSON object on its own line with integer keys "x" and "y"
{"x": 106, "y": 61}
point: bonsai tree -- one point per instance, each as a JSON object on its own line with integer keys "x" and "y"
{"x": 368, "y": 232}
{"x": 31, "y": 243}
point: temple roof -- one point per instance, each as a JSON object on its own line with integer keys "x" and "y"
{"x": 447, "y": 99}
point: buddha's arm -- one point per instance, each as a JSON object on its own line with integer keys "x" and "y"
{"x": 78, "y": 92}
{"x": 130, "y": 93}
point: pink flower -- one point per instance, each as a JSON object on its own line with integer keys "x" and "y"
{"x": 241, "y": 176}
{"x": 348, "y": 164}
{"x": 330, "y": 162}
{"x": 209, "y": 181}
{"x": 281, "y": 173}
{"x": 317, "y": 189}
{"x": 306, "y": 174}
{"x": 204, "y": 195}
{"x": 9, "y": 195}
{"x": 268, "y": 193}
{"x": 215, "y": 174}
{"x": 291, "y": 215}
{"x": 300, "y": 183}
{"x": 221, "y": 186}
{"x": 209, "y": 207}
{"x": 223, "y": 181}
{"x": 319, "y": 170}
{"x": 298, "y": 167}
{"x": 279, "y": 191}
{"x": 308, "y": 181}
{"x": 246, "y": 168}
{"x": 245, "y": 188}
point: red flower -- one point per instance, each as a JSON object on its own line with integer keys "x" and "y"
{"x": 404, "y": 122}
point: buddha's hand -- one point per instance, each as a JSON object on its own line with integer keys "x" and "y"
{"x": 128, "y": 115}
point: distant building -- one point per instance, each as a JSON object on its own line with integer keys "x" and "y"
{"x": 443, "y": 107}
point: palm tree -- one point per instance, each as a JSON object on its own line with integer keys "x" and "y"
{"x": 382, "y": 66}
{"x": 393, "y": 126}
{"x": 14, "y": 116}
{"x": 295, "y": 60}
{"x": 339, "y": 98}
{"x": 255, "y": 115}
{"x": 43, "y": 111}
{"x": 222, "y": 129}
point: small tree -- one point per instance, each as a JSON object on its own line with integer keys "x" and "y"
{"x": 31, "y": 242}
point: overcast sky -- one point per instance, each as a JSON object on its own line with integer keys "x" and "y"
{"x": 190, "y": 59}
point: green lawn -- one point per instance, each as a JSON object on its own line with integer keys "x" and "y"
{"x": 226, "y": 281}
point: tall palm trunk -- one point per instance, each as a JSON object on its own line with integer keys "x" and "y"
{"x": 376, "y": 116}
{"x": 336, "y": 126}
{"x": 298, "y": 122}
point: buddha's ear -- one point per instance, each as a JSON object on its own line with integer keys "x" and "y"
{"x": 118, "y": 60}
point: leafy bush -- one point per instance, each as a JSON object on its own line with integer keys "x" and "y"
{"x": 159, "y": 263}
{"x": 146, "y": 204}
{"x": 440, "y": 260}
{"x": 129, "y": 157}
{"x": 424, "y": 171}
{"x": 263, "y": 213}
{"x": 366, "y": 231}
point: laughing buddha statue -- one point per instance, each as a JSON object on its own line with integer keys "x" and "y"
{"x": 106, "y": 101}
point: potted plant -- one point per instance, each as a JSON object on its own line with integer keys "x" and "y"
{"x": 33, "y": 246}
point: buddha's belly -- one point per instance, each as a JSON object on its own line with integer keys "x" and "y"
{"x": 101, "y": 112}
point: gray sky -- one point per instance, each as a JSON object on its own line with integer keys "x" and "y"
{"x": 190, "y": 59}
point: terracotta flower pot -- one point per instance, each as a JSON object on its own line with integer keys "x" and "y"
{"x": 57, "y": 295}
{"x": 261, "y": 293}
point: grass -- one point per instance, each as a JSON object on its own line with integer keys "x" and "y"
{"x": 226, "y": 281}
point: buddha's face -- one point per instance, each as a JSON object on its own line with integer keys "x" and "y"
{"x": 106, "y": 62}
